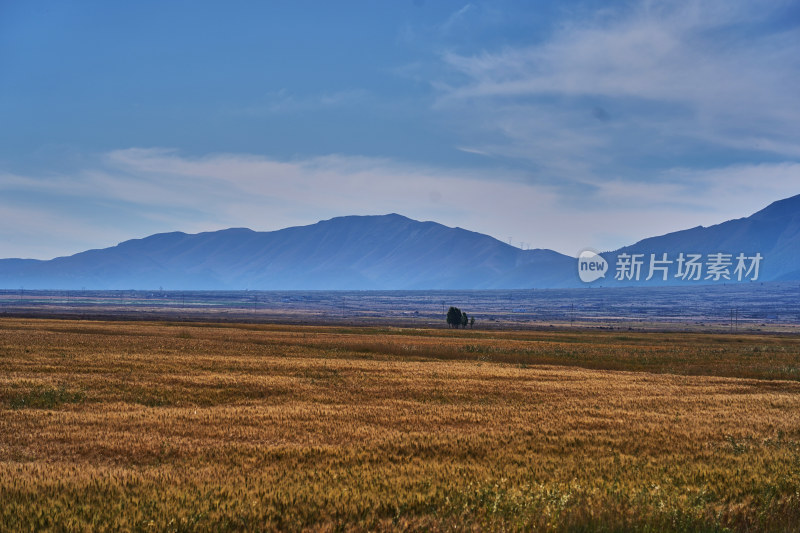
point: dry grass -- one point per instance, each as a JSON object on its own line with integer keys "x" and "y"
{"x": 147, "y": 426}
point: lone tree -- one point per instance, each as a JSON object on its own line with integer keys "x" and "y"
{"x": 471, "y": 322}
{"x": 454, "y": 317}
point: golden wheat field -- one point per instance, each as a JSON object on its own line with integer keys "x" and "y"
{"x": 130, "y": 426}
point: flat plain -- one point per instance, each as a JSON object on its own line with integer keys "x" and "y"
{"x": 158, "y": 426}
{"x": 750, "y": 307}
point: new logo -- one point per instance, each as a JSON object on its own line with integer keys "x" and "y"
{"x": 591, "y": 266}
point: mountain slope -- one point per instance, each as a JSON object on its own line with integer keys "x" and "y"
{"x": 773, "y": 232}
{"x": 372, "y": 252}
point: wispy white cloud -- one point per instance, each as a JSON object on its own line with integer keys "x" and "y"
{"x": 663, "y": 75}
{"x": 457, "y": 17}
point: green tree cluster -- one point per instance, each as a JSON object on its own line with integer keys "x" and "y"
{"x": 457, "y": 318}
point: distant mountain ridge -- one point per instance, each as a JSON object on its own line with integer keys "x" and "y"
{"x": 773, "y": 232}
{"x": 354, "y": 252}
{"x": 390, "y": 252}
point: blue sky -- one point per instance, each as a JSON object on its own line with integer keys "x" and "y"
{"x": 560, "y": 125}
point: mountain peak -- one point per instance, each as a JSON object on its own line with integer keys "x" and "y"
{"x": 788, "y": 207}
{"x": 391, "y": 217}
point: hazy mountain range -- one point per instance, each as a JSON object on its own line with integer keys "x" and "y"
{"x": 390, "y": 252}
